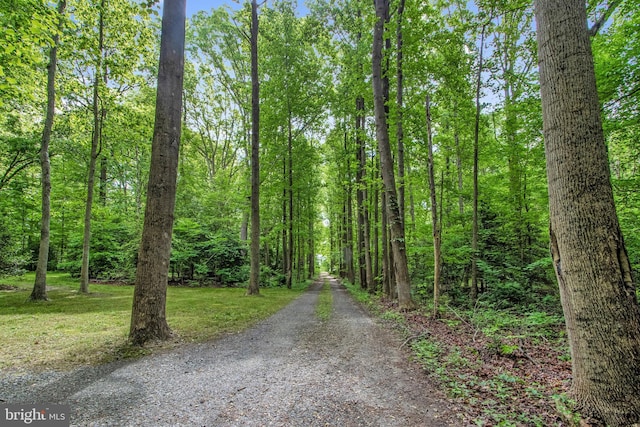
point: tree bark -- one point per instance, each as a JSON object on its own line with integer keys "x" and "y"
{"x": 589, "y": 256}
{"x": 148, "y": 318}
{"x": 39, "y": 292}
{"x": 254, "y": 276}
{"x": 403, "y": 281}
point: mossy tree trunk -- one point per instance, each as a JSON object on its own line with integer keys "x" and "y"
{"x": 148, "y": 319}
{"x": 588, "y": 251}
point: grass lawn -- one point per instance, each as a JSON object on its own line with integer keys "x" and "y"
{"x": 73, "y": 329}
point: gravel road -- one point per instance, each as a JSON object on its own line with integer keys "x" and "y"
{"x": 290, "y": 370}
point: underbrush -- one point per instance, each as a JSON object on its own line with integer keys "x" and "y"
{"x": 505, "y": 367}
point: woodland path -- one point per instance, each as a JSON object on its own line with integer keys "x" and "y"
{"x": 290, "y": 370}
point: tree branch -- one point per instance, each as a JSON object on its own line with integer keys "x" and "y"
{"x": 603, "y": 18}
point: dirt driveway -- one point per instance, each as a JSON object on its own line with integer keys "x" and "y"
{"x": 290, "y": 370}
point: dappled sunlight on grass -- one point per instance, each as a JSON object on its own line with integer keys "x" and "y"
{"x": 74, "y": 329}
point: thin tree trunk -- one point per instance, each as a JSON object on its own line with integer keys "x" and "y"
{"x": 474, "y": 238}
{"x": 400, "y": 106}
{"x": 360, "y": 194}
{"x": 376, "y": 230}
{"x": 285, "y": 221}
{"x": 98, "y": 116}
{"x": 254, "y": 275}
{"x": 39, "y": 292}
{"x": 290, "y": 194}
{"x": 102, "y": 191}
{"x": 148, "y": 318}
{"x": 401, "y": 269}
{"x": 435, "y": 226}
{"x": 589, "y": 256}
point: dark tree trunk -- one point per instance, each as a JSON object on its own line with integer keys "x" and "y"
{"x": 400, "y": 106}
{"x": 148, "y": 319}
{"x": 39, "y": 292}
{"x": 254, "y": 276}
{"x": 589, "y": 256}
{"x": 435, "y": 226}
{"x": 474, "y": 237}
{"x": 290, "y": 253}
{"x": 401, "y": 269}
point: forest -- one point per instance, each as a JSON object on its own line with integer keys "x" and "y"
{"x": 401, "y": 147}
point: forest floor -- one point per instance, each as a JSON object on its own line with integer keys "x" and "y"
{"x": 301, "y": 367}
{"x": 501, "y": 369}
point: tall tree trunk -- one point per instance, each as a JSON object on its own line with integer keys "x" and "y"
{"x": 102, "y": 191}
{"x": 254, "y": 275}
{"x": 400, "y": 106}
{"x": 435, "y": 226}
{"x": 39, "y": 292}
{"x": 376, "y": 228}
{"x": 360, "y": 195}
{"x": 476, "y": 138}
{"x": 148, "y": 318}
{"x": 364, "y": 246}
{"x": 348, "y": 209}
{"x": 589, "y": 256}
{"x": 312, "y": 251}
{"x": 456, "y": 137}
{"x": 285, "y": 221}
{"x": 290, "y": 253}
{"x": 96, "y": 138}
{"x": 403, "y": 281}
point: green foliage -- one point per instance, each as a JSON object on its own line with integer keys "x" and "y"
{"x": 199, "y": 253}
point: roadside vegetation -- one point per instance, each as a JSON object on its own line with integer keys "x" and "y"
{"x": 74, "y": 329}
{"x": 325, "y": 302}
{"x": 507, "y": 366}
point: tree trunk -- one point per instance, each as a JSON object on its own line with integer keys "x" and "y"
{"x": 254, "y": 276}
{"x": 148, "y": 318}
{"x": 589, "y": 256}
{"x": 476, "y": 137}
{"x": 290, "y": 254}
{"x": 366, "y": 269}
{"x": 435, "y": 226}
{"x": 403, "y": 281}
{"x": 399, "y": 102}
{"x": 39, "y": 292}
{"x": 98, "y": 116}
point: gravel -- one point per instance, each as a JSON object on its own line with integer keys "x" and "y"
{"x": 290, "y": 370}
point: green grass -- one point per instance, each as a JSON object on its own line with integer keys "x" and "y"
{"x": 325, "y": 302}
{"x": 73, "y": 329}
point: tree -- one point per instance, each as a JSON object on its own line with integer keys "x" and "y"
{"x": 435, "y": 223}
{"x": 148, "y": 318}
{"x": 589, "y": 256}
{"x": 403, "y": 281}
{"x": 40, "y": 286}
{"x": 96, "y": 146}
{"x": 254, "y": 278}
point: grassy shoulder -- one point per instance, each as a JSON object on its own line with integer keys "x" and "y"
{"x": 74, "y": 329}
{"x": 325, "y": 302}
{"x": 504, "y": 367}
